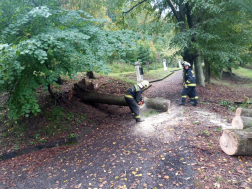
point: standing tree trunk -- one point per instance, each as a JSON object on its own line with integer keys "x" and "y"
{"x": 199, "y": 73}
{"x": 221, "y": 74}
{"x": 50, "y": 91}
{"x": 207, "y": 71}
{"x": 148, "y": 66}
{"x": 230, "y": 71}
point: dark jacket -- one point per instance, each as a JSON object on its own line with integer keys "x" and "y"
{"x": 189, "y": 78}
{"x": 134, "y": 92}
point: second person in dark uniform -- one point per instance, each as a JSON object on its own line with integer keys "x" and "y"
{"x": 189, "y": 85}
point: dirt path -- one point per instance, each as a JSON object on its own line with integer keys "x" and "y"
{"x": 152, "y": 154}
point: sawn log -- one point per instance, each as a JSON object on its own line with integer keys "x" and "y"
{"x": 160, "y": 104}
{"x": 241, "y": 122}
{"x": 236, "y": 142}
{"x": 243, "y": 112}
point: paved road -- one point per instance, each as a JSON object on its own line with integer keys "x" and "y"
{"x": 152, "y": 154}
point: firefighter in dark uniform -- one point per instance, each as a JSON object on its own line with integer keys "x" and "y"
{"x": 191, "y": 101}
{"x": 133, "y": 98}
{"x": 189, "y": 85}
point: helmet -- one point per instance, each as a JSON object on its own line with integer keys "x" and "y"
{"x": 186, "y": 64}
{"x": 145, "y": 83}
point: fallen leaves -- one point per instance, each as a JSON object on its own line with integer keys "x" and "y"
{"x": 77, "y": 186}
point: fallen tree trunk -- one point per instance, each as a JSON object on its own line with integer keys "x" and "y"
{"x": 241, "y": 122}
{"x": 236, "y": 142}
{"x": 248, "y": 102}
{"x": 243, "y": 112}
{"x": 154, "y": 103}
{"x": 92, "y": 97}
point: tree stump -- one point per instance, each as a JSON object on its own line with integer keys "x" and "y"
{"x": 241, "y": 122}
{"x": 243, "y": 112}
{"x": 236, "y": 142}
{"x": 90, "y": 75}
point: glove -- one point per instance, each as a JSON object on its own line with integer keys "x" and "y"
{"x": 185, "y": 85}
{"x": 142, "y": 101}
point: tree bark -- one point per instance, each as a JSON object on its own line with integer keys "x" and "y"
{"x": 236, "y": 142}
{"x": 241, "y": 122}
{"x": 90, "y": 75}
{"x": 154, "y": 103}
{"x": 199, "y": 73}
{"x": 50, "y": 91}
{"x": 243, "y": 112}
{"x": 221, "y": 74}
{"x": 91, "y": 97}
{"x": 207, "y": 71}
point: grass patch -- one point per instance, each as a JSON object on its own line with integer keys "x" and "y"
{"x": 249, "y": 66}
{"x": 121, "y": 67}
{"x": 158, "y": 74}
{"x": 130, "y": 77}
{"x": 243, "y": 72}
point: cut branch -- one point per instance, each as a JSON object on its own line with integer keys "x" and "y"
{"x": 170, "y": 3}
{"x": 134, "y": 7}
{"x": 35, "y": 3}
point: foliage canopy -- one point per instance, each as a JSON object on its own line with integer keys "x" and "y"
{"x": 44, "y": 43}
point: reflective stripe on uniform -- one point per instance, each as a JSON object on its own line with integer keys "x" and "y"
{"x": 136, "y": 86}
{"x": 128, "y": 96}
{"x": 191, "y": 85}
{"x": 196, "y": 97}
{"x": 184, "y": 96}
{"x": 137, "y": 116}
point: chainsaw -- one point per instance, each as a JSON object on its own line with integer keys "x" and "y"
{"x": 141, "y": 104}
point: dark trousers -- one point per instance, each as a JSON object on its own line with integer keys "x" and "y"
{"x": 191, "y": 92}
{"x": 134, "y": 107}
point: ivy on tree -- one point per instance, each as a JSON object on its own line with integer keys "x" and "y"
{"x": 43, "y": 44}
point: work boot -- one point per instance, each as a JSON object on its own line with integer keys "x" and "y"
{"x": 181, "y": 103}
{"x": 191, "y": 101}
{"x": 195, "y": 102}
{"x": 139, "y": 120}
